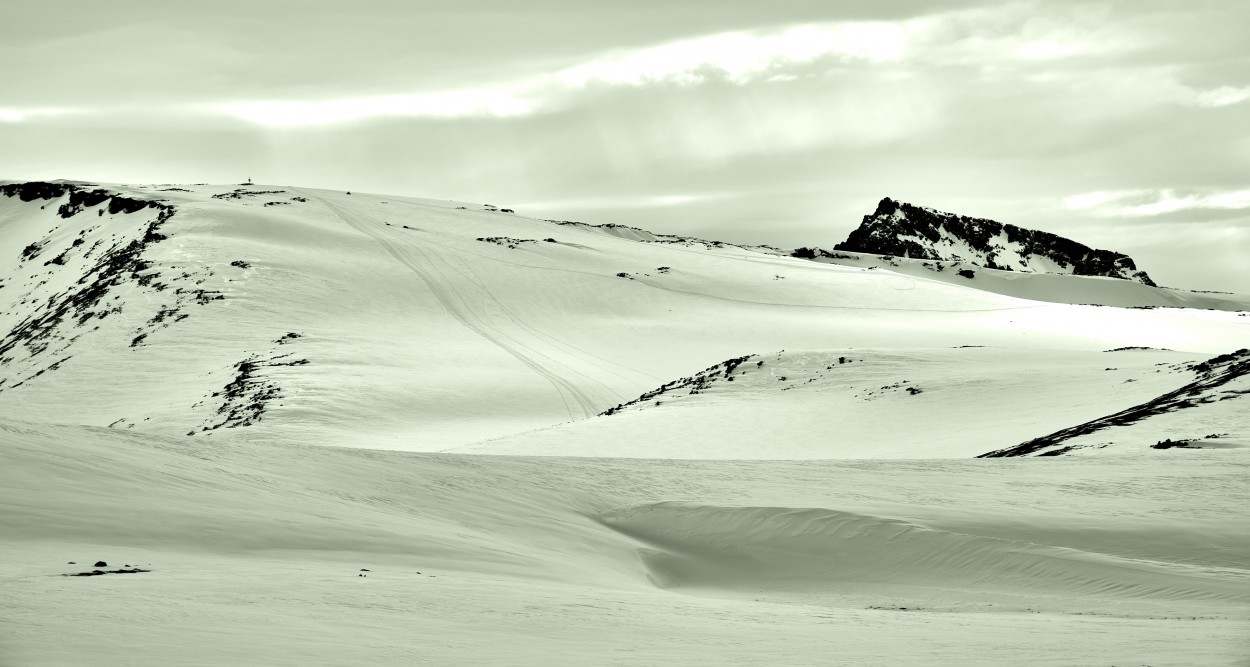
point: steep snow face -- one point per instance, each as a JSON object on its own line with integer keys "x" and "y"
{"x": 905, "y": 230}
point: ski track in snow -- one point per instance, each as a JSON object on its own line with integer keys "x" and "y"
{"x": 588, "y": 357}
{"x": 578, "y": 403}
{"x": 753, "y": 519}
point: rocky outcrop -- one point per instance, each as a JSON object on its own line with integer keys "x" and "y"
{"x": 697, "y": 383}
{"x": 79, "y": 197}
{"x": 91, "y": 266}
{"x": 1211, "y": 376}
{"x": 55, "y": 317}
{"x": 905, "y": 230}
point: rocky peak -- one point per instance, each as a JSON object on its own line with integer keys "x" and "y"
{"x": 906, "y": 230}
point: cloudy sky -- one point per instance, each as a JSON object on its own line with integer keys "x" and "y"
{"x": 1124, "y": 125}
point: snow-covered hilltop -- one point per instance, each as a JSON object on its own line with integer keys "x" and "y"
{"x": 325, "y": 317}
{"x": 619, "y": 447}
{"x": 917, "y": 232}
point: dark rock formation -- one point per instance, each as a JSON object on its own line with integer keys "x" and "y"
{"x": 505, "y": 241}
{"x": 86, "y": 300}
{"x": 904, "y": 230}
{"x": 96, "y": 573}
{"x": 79, "y": 198}
{"x": 247, "y": 396}
{"x": 697, "y": 383}
{"x": 1211, "y": 375}
{"x": 240, "y": 193}
{"x": 98, "y": 268}
{"x": 1170, "y": 443}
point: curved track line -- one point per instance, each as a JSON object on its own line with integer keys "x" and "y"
{"x": 465, "y": 270}
{"x": 506, "y": 341}
{"x": 432, "y": 261}
{"x": 425, "y": 268}
{"x": 573, "y": 350}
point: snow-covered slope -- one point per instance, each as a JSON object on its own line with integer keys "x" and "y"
{"x": 916, "y": 403}
{"x": 198, "y": 383}
{"x": 1192, "y": 415}
{"x": 267, "y": 554}
{"x": 905, "y": 230}
{"x": 362, "y": 320}
{"x": 1049, "y": 287}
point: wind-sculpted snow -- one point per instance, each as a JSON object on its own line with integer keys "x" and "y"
{"x": 556, "y": 561}
{"x": 806, "y": 551}
{"x": 904, "y": 230}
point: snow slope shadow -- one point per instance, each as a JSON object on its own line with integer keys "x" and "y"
{"x": 843, "y": 558}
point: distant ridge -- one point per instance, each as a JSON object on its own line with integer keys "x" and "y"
{"x": 906, "y": 230}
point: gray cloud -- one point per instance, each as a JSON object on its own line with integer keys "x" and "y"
{"x": 1004, "y": 111}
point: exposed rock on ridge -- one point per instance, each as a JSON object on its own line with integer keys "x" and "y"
{"x": 1212, "y": 375}
{"x": 905, "y": 230}
{"x": 82, "y": 272}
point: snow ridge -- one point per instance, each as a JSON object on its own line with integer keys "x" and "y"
{"x": 1212, "y": 374}
{"x": 94, "y": 256}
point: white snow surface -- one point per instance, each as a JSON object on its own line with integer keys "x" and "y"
{"x": 420, "y": 337}
{"x": 822, "y": 507}
{"x": 899, "y": 403}
{"x": 255, "y": 552}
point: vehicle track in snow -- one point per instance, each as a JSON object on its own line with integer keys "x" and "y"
{"x": 426, "y": 266}
{"x": 584, "y": 356}
{"x": 465, "y": 271}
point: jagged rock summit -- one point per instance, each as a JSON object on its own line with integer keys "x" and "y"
{"x": 906, "y": 230}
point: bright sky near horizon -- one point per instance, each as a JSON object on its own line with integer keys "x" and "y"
{"x": 1124, "y": 125}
